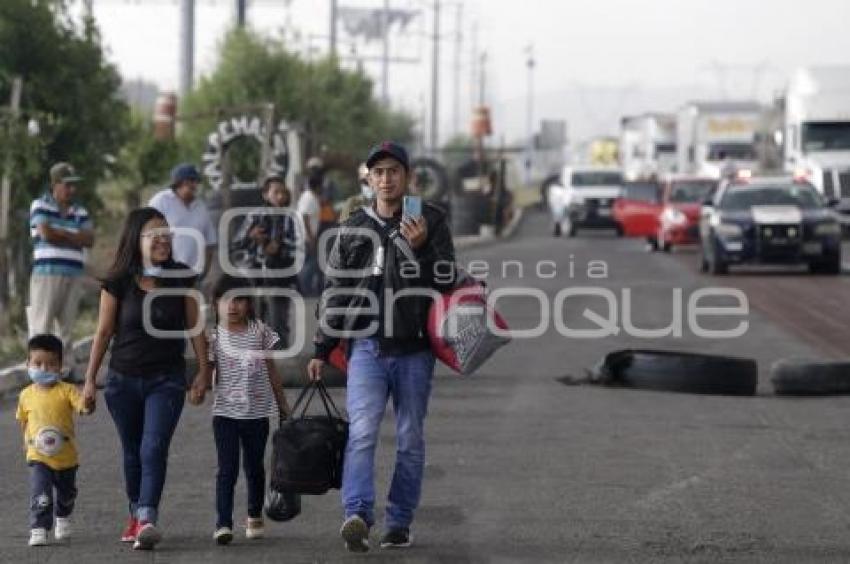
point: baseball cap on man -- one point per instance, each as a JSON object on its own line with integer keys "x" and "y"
{"x": 388, "y": 149}
{"x": 63, "y": 172}
{"x": 184, "y": 171}
{"x": 273, "y": 177}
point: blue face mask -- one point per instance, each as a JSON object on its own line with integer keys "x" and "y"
{"x": 43, "y": 377}
{"x": 153, "y": 271}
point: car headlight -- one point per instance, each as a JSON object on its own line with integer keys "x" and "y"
{"x": 672, "y": 215}
{"x": 728, "y": 230}
{"x": 829, "y": 228}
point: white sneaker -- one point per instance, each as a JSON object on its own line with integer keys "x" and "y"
{"x": 38, "y": 537}
{"x": 223, "y": 535}
{"x": 62, "y": 528}
{"x": 254, "y": 528}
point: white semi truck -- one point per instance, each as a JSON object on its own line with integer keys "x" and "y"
{"x": 714, "y": 135}
{"x": 647, "y": 145}
{"x": 817, "y": 129}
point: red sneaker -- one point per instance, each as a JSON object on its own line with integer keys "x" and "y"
{"x": 130, "y": 532}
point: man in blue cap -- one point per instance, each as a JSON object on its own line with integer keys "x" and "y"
{"x": 183, "y": 209}
{"x": 389, "y": 351}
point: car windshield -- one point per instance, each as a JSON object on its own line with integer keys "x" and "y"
{"x": 826, "y": 136}
{"x": 790, "y": 195}
{"x": 738, "y": 151}
{"x": 665, "y": 147}
{"x": 596, "y": 178}
{"x": 691, "y": 190}
{"x": 641, "y": 191}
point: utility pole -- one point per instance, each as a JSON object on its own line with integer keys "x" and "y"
{"x": 187, "y": 45}
{"x": 241, "y": 13}
{"x": 332, "y": 33}
{"x": 529, "y": 115}
{"x": 482, "y": 79}
{"x": 473, "y": 67}
{"x": 385, "y": 55}
{"x": 435, "y": 81}
{"x": 458, "y": 48}
{"x": 5, "y": 200}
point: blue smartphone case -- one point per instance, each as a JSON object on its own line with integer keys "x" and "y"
{"x": 412, "y": 206}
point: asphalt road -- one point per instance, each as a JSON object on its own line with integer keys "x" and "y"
{"x": 522, "y": 468}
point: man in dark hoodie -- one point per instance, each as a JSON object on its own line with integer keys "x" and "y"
{"x": 378, "y": 254}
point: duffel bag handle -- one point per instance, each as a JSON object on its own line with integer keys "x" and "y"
{"x": 308, "y": 392}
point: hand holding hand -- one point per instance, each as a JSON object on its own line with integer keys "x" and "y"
{"x": 90, "y": 396}
{"x": 198, "y": 389}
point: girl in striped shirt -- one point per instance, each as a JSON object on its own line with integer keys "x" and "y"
{"x": 247, "y": 390}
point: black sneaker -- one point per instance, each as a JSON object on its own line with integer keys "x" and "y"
{"x": 397, "y": 538}
{"x": 355, "y": 533}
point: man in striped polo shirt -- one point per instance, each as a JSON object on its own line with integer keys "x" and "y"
{"x": 61, "y": 229}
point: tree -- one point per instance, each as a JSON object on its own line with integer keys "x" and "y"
{"x": 335, "y": 106}
{"x": 73, "y": 93}
{"x": 143, "y": 160}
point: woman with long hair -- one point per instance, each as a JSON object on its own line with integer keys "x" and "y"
{"x": 145, "y": 310}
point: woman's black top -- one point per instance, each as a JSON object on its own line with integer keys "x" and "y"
{"x": 135, "y": 351}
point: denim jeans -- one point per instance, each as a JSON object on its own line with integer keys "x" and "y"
{"x": 252, "y": 435}
{"x": 43, "y": 481}
{"x": 372, "y": 380}
{"x": 145, "y": 410}
{"x": 311, "y": 278}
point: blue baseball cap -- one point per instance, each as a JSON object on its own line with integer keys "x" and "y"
{"x": 184, "y": 171}
{"x": 388, "y": 149}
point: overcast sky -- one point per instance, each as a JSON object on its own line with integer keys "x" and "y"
{"x": 594, "y": 59}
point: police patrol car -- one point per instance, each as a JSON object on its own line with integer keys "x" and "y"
{"x": 769, "y": 220}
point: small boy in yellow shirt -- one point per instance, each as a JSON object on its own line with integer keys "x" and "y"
{"x": 46, "y": 411}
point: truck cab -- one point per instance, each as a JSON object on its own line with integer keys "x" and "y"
{"x": 816, "y": 131}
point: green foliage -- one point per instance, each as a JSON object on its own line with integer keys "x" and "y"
{"x": 68, "y": 86}
{"x": 334, "y": 106}
{"x": 143, "y": 160}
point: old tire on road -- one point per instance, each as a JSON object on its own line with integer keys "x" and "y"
{"x": 680, "y": 372}
{"x": 801, "y": 377}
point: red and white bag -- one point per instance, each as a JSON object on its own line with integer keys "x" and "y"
{"x": 461, "y": 336}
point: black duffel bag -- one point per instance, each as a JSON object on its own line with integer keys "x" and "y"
{"x": 282, "y": 506}
{"x": 307, "y": 450}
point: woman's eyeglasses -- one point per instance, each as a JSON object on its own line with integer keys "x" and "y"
{"x": 161, "y": 234}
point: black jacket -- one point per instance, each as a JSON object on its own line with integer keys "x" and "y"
{"x": 244, "y": 251}
{"x": 391, "y": 268}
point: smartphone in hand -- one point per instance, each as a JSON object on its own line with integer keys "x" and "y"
{"x": 412, "y": 207}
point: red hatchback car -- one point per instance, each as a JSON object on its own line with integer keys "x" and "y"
{"x": 670, "y": 218}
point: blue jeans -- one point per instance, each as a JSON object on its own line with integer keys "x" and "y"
{"x": 372, "y": 379}
{"x": 311, "y": 277}
{"x": 145, "y": 410}
{"x": 43, "y": 481}
{"x": 252, "y": 435}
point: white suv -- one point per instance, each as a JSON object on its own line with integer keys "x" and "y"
{"x": 584, "y": 198}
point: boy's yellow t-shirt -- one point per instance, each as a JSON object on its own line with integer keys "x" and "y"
{"x": 48, "y": 415}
